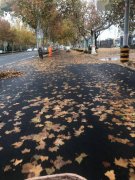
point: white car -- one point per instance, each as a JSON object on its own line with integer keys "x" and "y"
{"x": 35, "y": 49}
{"x": 68, "y": 48}
{"x": 29, "y": 50}
{"x": 61, "y": 47}
{"x": 1, "y": 51}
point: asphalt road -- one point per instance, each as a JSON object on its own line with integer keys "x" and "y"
{"x": 68, "y": 115}
{"x": 15, "y": 57}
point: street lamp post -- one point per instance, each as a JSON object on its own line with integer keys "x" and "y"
{"x": 125, "y": 48}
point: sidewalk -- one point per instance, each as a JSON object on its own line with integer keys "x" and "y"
{"x": 71, "y": 113}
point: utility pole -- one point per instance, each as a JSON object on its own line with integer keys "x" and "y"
{"x": 125, "y": 49}
{"x": 126, "y": 23}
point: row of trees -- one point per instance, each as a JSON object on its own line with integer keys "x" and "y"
{"x": 67, "y": 20}
{"x": 15, "y": 37}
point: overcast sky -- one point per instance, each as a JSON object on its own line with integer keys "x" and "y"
{"x": 112, "y": 32}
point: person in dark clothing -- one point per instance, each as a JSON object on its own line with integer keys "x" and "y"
{"x": 89, "y": 49}
{"x": 40, "y": 52}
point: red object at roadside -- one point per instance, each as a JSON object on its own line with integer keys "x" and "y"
{"x": 50, "y": 51}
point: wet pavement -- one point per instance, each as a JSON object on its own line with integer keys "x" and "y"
{"x": 110, "y": 59}
{"x": 68, "y": 114}
{"x": 9, "y": 59}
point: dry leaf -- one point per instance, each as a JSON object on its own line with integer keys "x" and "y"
{"x": 90, "y": 126}
{"x": 51, "y": 136}
{"x": 69, "y": 119}
{"x": 7, "y": 168}
{"x": 58, "y": 142}
{"x": 106, "y": 164}
{"x": 48, "y": 116}
{"x": 132, "y": 135}
{"x": 29, "y": 169}
{"x": 103, "y": 117}
{"x": 17, "y": 144}
{"x": 36, "y": 120}
{"x": 131, "y": 174}
{"x": 2, "y": 125}
{"x": 39, "y": 125}
{"x": 79, "y": 131}
{"x": 119, "y": 140}
{"x": 25, "y": 151}
{"x": 59, "y": 162}
{"x": 110, "y": 174}
{"x": 44, "y": 158}
{"x": 17, "y": 162}
{"x": 121, "y": 162}
{"x": 1, "y": 148}
{"x": 53, "y": 149}
{"x": 132, "y": 162}
{"x": 81, "y": 157}
{"x": 50, "y": 170}
{"x": 41, "y": 145}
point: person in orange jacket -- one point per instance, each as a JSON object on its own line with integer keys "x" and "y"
{"x": 50, "y": 51}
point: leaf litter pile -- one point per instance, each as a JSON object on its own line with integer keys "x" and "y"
{"x": 69, "y": 114}
{"x": 9, "y": 74}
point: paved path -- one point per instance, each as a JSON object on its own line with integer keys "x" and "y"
{"x": 68, "y": 114}
{"x": 15, "y": 57}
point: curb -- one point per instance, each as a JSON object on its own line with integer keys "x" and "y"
{"x": 126, "y": 65}
{"x": 63, "y": 176}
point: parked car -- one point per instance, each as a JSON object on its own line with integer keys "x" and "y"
{"x": 29, "y": 50}
{"x": 35, "y": 49}
{"x": 45, "y": 49}
{"x": 67, "y": 48}
{"x": 61, "y": 47}
{"x": 1, "y": 51}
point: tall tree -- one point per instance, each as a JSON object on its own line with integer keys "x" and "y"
{"x": 113, "y": 13}
{"x": 37, "y": 13}
{"x": 6, "y": 35}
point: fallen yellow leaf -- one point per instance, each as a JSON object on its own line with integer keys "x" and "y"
{"x": 31, "y": 169}
{"x": 25, "y": 151}
{"x": 50, "y": 170}
{"x": 80, "y": 157}
{"x": 121, "y": 162}
{"x": 132, "y": 162}
{"x": 110, "y": 174}
{"x": 7, "y": 168}
{"x": 17, "y": 162}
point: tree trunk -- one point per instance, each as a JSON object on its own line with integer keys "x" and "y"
{"x": 20, "y": 47}
{"x": 4, "y": 49}
{"x": 93, "y": 51}
{"x": 96, "y": 40}
{"x": 96, "y": 36}
{"x": 12, "y": 47}
{"x": 85, "y": 45}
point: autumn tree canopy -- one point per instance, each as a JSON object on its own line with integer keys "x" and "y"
{"x": 15, "y": 35}
{"x": 5, "y": 30}
{"x": 81, "y": 16}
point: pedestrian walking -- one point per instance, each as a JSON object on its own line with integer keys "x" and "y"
{"x": 40, "y": 52}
